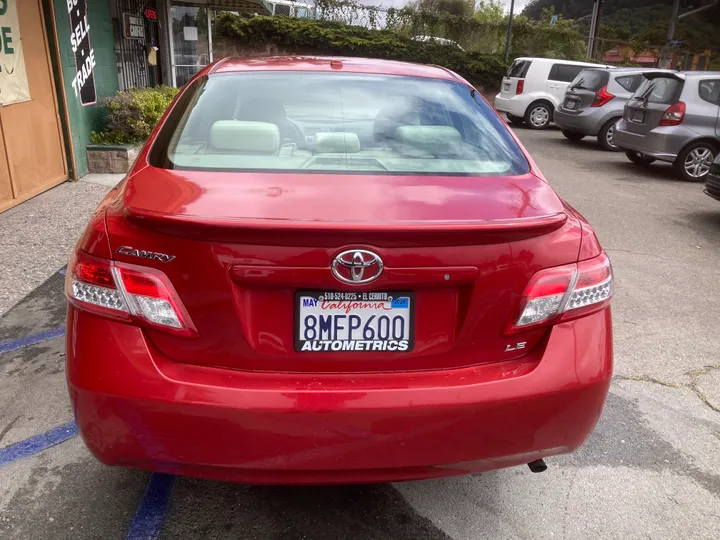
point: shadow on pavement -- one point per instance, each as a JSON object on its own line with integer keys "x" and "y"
{"x": 216, "y": 510}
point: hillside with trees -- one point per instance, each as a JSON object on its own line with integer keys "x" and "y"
{"x": 642, "y": 23}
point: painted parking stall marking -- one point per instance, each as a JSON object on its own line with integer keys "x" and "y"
{"x": 15, "y": 344}
{"x": 38, "y": 443}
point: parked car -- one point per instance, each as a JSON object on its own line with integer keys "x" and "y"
{"x": 674, "y": 117}
{"x": 594, "y": 102}
{"x": 712, "y": 180}
{"x": 533, "y": 89}
{"x": 438, "y": 40}
{"x": 366, "y": 279}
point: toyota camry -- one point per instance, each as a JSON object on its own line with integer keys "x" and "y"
{"x": 334, "y": 270}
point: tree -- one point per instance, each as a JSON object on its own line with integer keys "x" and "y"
{"x": 490, "y": 11}
{"x": 460, "y": 8}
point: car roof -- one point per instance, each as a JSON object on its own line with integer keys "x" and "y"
{"x": 703, "y": 74}
{"x": 331, "y": 63}
{"x": 571, "y": 62}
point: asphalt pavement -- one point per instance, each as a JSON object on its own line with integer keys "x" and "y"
{"x": 650, "y": 470}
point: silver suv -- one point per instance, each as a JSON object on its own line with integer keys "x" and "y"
{"x": 594, "y": 102}
{"x": 674, "y": 117}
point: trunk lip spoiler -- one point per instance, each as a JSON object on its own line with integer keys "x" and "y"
{"x": 148, "y": 218}
{"x": 665, "y": 75}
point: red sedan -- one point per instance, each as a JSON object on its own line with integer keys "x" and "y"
{"x": 335, "y": 271}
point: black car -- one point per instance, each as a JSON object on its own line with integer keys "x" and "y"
{"x": 712, "y": 181}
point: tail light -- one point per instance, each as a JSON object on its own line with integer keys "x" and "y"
{"x": 674, "y": 115}
{"x": 602, "y": 97}
{"x": 128, "y": 293}
{"x": 564, "y": 293}
{"x": 520, "y": 87}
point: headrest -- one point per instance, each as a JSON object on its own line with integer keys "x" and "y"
{"x": 432, "y": 139}
{"x": 247, "y": 137}
{"x": 337, "y": 142}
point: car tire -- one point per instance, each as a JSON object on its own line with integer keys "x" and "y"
{"x": 605, "y": 136}
{"x": 538, "y": 115}
{"x": 693, "y": 162}
{"x": 639, "y": 158}
{"x": 514, "y": 120}
{"x": 572, "y": 135}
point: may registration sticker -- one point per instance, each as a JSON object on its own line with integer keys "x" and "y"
{"x": 354, "y": 321}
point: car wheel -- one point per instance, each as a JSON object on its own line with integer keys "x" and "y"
{"x": 573, "y": 135}
{"x": 538, "y": 116}
{"x": 693, "y": 163}
{"x": 638, "y": 158}
{"x": 606, "y": 136}
{"x": 514, "y": 120}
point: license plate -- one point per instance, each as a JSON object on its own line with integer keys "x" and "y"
{"x": 570, "y": 104}
{"x": 328, "y": 321}
{"x": 506, "y": 87}
{"x": 638, "y": 116}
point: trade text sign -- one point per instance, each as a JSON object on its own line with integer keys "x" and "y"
{"x": 83, "y": 82}
{"x": 13, "y": 77}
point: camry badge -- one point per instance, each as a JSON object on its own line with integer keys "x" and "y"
{"x": 142, "y": 254}
{"x": 357, "y": 266}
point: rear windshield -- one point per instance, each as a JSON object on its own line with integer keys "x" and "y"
{"x": 590, "y": 79}
{"x": 519, "y": 68}
{"x": 335, "y": 122}
{"x": 665, "y": 90}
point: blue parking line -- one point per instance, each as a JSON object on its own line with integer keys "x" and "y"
{"x": 38, "y": 443}
{"x": 150, "y": 516}
{"x": 63, "y": 270}
{"x": 15, "y": 344}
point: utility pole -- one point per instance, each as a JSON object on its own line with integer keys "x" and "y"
{"x": 666, "y": 56}
{"x": 594, "y": 28}
{"x": 509, "y": 31}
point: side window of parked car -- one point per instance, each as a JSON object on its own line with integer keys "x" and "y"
{"x": 709, "y": 90}
{"x": 564, "y": 72}
{"x": 630, "y": 82}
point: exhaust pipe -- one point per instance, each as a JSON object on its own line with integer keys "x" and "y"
{"x": 538, "y": 465}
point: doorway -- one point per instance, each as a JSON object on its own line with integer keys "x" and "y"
{"x": 190, "y": 40}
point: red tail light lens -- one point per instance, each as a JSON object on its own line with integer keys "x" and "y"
{"x": 564, "y": 293}
{"x": 520, "y": 87}
{"x": 602, "y": 97}
{"x": 126, "y": 292}
{"x": 674, "y": 115}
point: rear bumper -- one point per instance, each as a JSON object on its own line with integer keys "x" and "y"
{"x": 514, "y": 105}
{"x": 137, "y": 408}
{"x": 663, "y": 143}
{"x": 588, "y": 122}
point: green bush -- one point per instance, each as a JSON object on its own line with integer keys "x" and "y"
{"x": 333, "y": 38}
{"x": 132, "y": 115}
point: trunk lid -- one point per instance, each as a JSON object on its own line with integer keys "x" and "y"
{"x": 516, "y": 72}
{"x": 581, "y": 93}
{"x": 654, "y": 96}
{"x": 245, "y": 244}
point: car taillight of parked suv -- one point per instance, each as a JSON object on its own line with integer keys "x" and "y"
{"x": 674, "y": 117}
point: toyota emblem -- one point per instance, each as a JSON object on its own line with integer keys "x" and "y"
{"x": 357, "y": 266}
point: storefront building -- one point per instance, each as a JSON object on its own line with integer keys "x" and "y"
{"x": 60, "y": 58}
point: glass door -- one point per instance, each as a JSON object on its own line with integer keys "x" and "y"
{"x": 190, "y": 39}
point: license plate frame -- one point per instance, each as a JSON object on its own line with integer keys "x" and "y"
{"x": 637, "y": 116}
{"x": 349, "y": 302}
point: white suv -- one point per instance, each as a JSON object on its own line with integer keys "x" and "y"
{"x": 534, "y": 87}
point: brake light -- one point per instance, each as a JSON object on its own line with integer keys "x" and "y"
{"x": 564, "y": 293}
{"x": 520, "y": 87}
{"x": 128, "y": 293}
{"x": 674, "y": 115}
{"x": 602, "y": 97}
